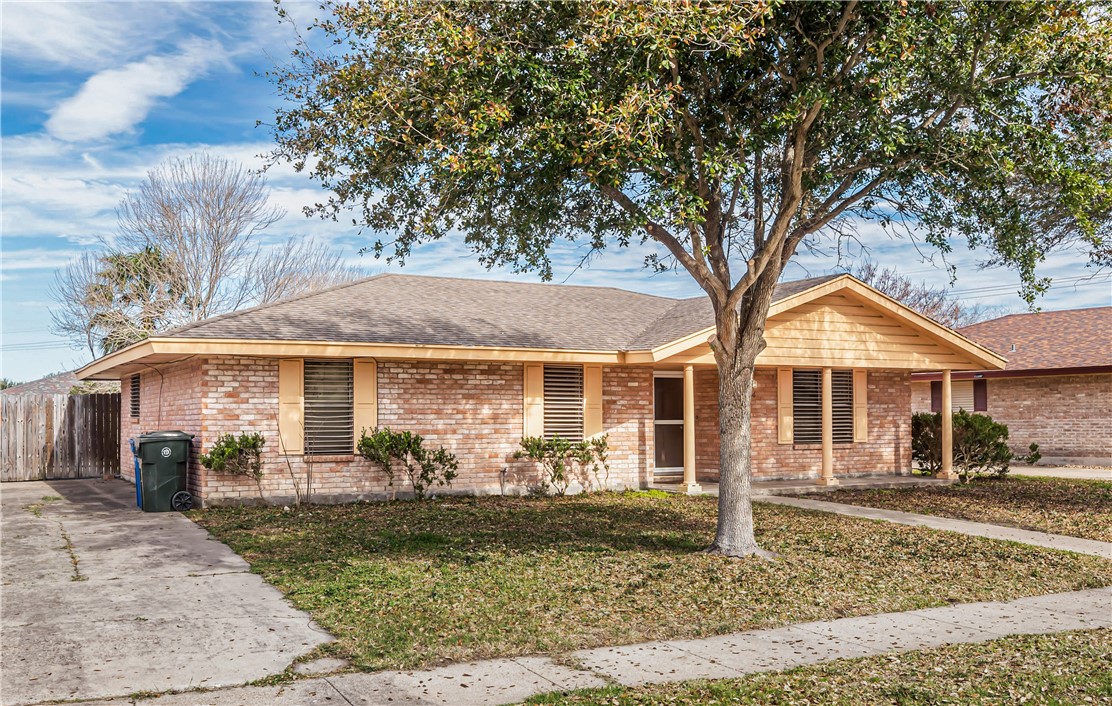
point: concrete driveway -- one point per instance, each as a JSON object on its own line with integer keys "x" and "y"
{"x": 99, "y": 599}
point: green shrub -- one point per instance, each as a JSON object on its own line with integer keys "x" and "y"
{"x": 560, "y": 459}
{"x": 980, "y": 445}
{"x": 241, "y": 456}
{"x": 422, "y": 466}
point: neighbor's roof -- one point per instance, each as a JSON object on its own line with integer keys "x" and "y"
{"x": 60, "y": 384}
{"x": 1075, "y": 338}
{"x": 419, "y": 310}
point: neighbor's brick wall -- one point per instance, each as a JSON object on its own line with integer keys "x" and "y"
{"x": 920, "y": 397}
{"x": 1068, "y": 416}
{"x": 169, "y": 400}
{"x": 888, "y": 449}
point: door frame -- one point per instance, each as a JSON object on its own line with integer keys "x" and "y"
{"x": 672, "y": 374}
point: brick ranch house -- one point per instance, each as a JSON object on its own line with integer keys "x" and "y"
{"x": 475, "y": 365}
{"x": 1055, "y": 391}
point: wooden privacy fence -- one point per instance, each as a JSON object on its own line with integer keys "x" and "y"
{"x": 46, "y": 437}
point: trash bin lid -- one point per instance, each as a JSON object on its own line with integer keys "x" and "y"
{"x": 155, "y": 436}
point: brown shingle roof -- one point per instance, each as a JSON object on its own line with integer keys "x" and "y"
{"x": 1075, "y": 338}
{"x": 60, "y": 384}
{"x": 409, "y": 309}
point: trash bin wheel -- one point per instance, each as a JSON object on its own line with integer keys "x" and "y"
{"x": 181, "y": 501}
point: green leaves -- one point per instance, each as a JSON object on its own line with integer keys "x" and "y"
{"x": 563, "y": 461}
{"x": 241, "y": 456}
{"x": 424, "y": 467}
{"x": 983, "y": 121}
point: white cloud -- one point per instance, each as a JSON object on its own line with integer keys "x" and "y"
{"x": 115, "y": 100}
{"x": 82, "y": 35}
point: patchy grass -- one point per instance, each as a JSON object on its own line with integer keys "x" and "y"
{"x": 36, "y": 508}
{"x": 1066, "y": 668}
{"x": 405, "y": 584}
{"x": 1078, "y": 508}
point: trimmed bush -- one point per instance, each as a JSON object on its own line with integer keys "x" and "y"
{"x": 424, "y": 467}
{"x": 561, "y": 461}
{"x": 240, "y": 456}
{"x": 980, "y": 445}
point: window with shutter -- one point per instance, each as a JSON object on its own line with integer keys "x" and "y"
{"x": 807, "y": 406}
{"x": 329, "y": 407}
{"x": 563, "y": 402}
{"x": 841, "y": 394}
{"x": 134, "y": 387}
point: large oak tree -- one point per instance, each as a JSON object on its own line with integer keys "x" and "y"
{"x": 731, "y": 133}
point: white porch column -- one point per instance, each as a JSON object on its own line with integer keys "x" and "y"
{"x": 947, "y": 429}
{"x": 689, "y": 483}
{"x": 827, "y": 429}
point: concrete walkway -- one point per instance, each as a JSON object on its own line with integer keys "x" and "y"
{"x": 100, "y": 599}
{"x": 512, "y": 680}
{"x": 1070, "y": 472}
{"x": 976, "y": 529}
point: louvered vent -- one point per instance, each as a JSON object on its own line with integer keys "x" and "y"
{"x": 563, "y": 402}
{"x": 807, "y": 406}
{"x": 841, "y": 394}
{"x": 329, "y": 414}
{"x": 134, "y": 385}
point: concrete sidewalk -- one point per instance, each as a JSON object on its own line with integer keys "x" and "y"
{"x": 1070, "y": 472}
{"x": 511, "y": 680}
{"x": 976, "y": 529}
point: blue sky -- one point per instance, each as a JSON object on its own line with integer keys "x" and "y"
{"x": 94, "y": 94}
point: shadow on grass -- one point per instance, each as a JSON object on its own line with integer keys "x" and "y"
{"x": 455, "y": 528}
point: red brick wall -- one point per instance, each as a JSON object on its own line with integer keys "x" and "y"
{"x": 169, "y": 399}
{"x": 706, "y": 424}
{"x": 474, "y": 409}
{"x": 627, "y": 417}
{"x": 888, "y": 449}
{"x": 920, "y": 397}
{"x": 1068, "y": 416}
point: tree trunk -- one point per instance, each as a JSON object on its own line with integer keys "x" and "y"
{"x": 738, "y": 342}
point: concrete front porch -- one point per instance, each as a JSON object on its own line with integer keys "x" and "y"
{"x": 807, "y": 485}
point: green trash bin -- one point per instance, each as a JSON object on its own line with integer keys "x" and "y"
{"x": 164, "y": 456}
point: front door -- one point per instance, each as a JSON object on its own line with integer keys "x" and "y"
{"x": 668, "y": 427}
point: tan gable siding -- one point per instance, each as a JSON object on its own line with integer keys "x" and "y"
{"x": 840, "y": 330}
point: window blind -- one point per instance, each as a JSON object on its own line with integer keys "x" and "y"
{"x": 134, "y": 388}
{"x": 563, "y": 402}
{"x": 329, "y": 407}
{"x": 961, "y": 395}
{"x": 807, "y": 406}
{"x": 841, "y": 395}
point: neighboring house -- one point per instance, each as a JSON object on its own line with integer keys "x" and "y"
{"x": 61, "y": 384}
{"x": 475, "y": 365}
{"x": 1056, "y": 389}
